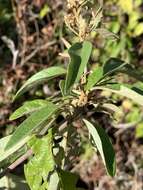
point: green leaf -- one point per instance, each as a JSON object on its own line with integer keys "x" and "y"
{"x": 94, "y": 78}
{"x": 4, "y": 154}
{"x": 79, "y": 54}
{"x": 39, "y": 78}
{"x": 68, "y": 180}
{"x": 104, "y": 146}
{"x": 38, "y": 169}
{"x": 112, "y": 66}
{"x": 132, "y": 72}
{"x": 28, "y": 107}
{"x": 34, "y": 121}
{"x": 128, "y": 91}
{"x": 85, "y": 55}
{"x": 73, "y": 67}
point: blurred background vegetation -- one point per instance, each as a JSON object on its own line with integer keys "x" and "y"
{"x": 32, "y": 36}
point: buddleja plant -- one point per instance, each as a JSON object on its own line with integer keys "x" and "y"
{"x": 46, "y": 137}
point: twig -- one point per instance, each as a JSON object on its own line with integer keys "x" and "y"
{"x": 10, "y": 44}
{"x": 46, "y": 45}
{"x": 20, "y": 160}
{"x": 124, "y": 127}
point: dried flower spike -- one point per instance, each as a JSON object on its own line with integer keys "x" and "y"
{"x": 81, "y": 17}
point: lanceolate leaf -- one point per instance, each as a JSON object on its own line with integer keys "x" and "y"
{"x": 41, "y": 166}
{"x": 73, "y": 67}
{"x": 133, "y": 93}
{"x": 132, "y": 72}
{"x": 4, "y": 154}
{"x": 115, "y": 65}
{"x": 104, "y": 146}
{"x": 34, "y": 121}
{"x": 39, "y": 78}
{"x": 94, "y": 78}
{"x": 112, "y": 66}
{"x": 79, "y": 54}
{"x": 68, "y": 180}
{"x": 85, "y": 55}
{"x": 28, "y": 107}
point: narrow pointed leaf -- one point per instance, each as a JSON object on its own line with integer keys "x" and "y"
{"x": 73, "y": 68}
{"x": 104, "y": 146}
{"x": 34, "y": 121}
{"x": 79, "y": 54}
{"x": 132, "y": 72}
{"x": 94, "y": 78}
{"x": 28, "y": 107}
{"x": 39, "y": 78}
{"x": 112, "y": 66}
{"x": 128, "y": 91}
{"x": 85, "y": 55}
{"x": 4, "y": 154}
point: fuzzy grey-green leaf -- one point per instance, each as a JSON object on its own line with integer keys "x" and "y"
{"x": 28, "y": 107}
{"x": 34, "y": 121}
{"x": 4, "y": 154}
{"x": 39, "y": 78}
